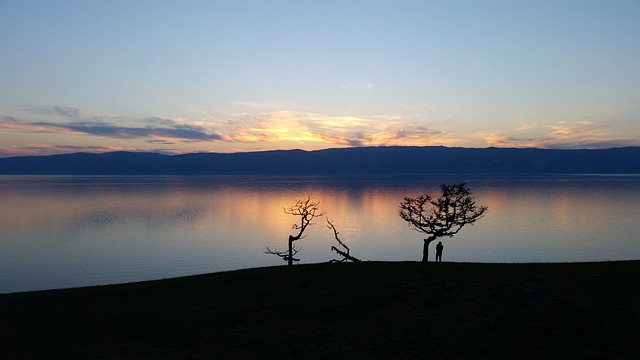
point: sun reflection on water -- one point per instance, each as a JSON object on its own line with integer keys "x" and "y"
{"x": 60, "y": 232}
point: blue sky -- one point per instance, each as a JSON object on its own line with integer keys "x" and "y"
{"x": 224, "y": 76}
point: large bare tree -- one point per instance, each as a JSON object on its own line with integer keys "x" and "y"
{"x": 440, "y": 217}
{"x": 306, "y": 210}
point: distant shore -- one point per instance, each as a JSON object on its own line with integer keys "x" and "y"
{"x": 336, "y": 161}
{"x": 385, "y": 310}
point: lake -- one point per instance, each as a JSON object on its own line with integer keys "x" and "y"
{"x": 69, "y": 231}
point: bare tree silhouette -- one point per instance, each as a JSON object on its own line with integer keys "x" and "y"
{"x": 345, "y": 254}
{"x": 440, "y": 217}
{"x": 306, "y": 209}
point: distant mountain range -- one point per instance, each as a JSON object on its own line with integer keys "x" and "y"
{"x": 362, "y": 160}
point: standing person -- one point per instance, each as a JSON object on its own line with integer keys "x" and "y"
{"x": 439, "y": 249}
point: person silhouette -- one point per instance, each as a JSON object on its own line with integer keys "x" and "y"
{"x": 439, "y": 249}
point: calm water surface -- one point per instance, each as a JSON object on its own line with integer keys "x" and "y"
{"x": 58, "y": 231}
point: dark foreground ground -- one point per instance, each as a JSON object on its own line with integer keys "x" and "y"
{"x": 346, "y": 311}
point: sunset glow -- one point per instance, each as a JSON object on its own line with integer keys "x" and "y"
{"x": 224, "y": 76}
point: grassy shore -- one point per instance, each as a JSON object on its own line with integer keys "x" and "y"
{"x": 371, "y": 310}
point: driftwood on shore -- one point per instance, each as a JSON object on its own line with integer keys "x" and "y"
{"x": 344, "y": 253}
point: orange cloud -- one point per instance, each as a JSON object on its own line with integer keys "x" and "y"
{"x": 563, "y": 134}
{"x": 45, "y": 149}
{"x": 300, "y": 127}
{"x": 279, "y": 128}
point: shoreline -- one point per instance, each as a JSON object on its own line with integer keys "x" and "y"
{"x": 348, "y": 310}
{"x": 177, "y": 278}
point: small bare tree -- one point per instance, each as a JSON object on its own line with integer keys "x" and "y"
{"x": 345, "y": 254}
{"x": 440, "y": 217}
{"x": 306, "y": 210}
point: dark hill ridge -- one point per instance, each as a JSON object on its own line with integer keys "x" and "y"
{"x": 362, "y": 160}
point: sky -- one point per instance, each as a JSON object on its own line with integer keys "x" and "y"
{"x": 229, "y": 76}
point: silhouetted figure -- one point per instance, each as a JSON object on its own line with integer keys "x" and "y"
{"x": 439, "y": 249}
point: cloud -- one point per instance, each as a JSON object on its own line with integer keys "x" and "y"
{"x": 583, "y": 134}
{"x": 65, "y": 111}
{"x": 274, "y": 129}
{"x": 159, "y": 141}
{"x": 524, "y": 126}
{"x": 563, "y": 134}
{"x": 360, "y": 86}
{"x": 253, "y": 130}
{"x": 163, "y": 128}
{"x": 497, "y": 139}
{"x": 185, "y": 132}
{"x": 335, "y": 130}
{"x": 257, "y": 105}
{"x": 45, "y": 149}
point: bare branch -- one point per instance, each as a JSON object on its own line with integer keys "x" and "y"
{"x": 444, "y": 216}
{"x": 335, "y": 234}
{"x": 306, "y": 210}
{"x": 284, "y": 254}
{"x": 345, "y": 255}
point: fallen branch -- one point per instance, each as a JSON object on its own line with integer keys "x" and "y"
{"x": 345, "y": 254}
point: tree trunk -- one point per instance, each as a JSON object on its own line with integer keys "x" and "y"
{"x": 290, "y": 259}
{"x": 425, "y": 251}
{"x": 425, "y": 248}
